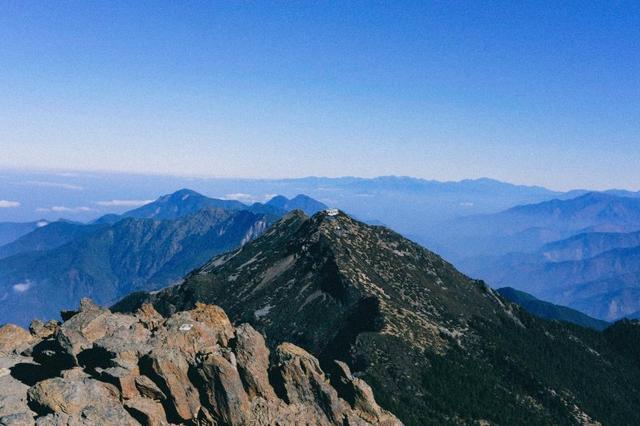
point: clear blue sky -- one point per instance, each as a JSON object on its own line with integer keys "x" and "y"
{"x": 519, "y": 91}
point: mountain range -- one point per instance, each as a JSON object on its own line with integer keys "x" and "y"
{"x": 579, "y": 252}
{"x": 526, "y": 228}
{"x": 49, "y": 269}
{"x": 436, "y": 346}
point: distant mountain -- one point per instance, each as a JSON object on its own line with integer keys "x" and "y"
{"x": 299, "y": 202}
{"x": 550, "y": 311}
{"x": 11, "y": 231}
{"x": 589, "y": 244}
{"x": 180, "y": 204}
{"x": 601, "y": 283}
{"x": 107, "y": 264}
{"x": 47, "y": 237}
{"x": 186, "y": 202}
{"x": 437, "y": 347}
{"x": 526, "y": 228}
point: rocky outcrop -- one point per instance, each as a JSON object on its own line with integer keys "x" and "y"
{"x": 14, "y": 339}
{"x": 102, "y": 368}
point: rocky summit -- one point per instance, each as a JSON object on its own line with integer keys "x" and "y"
{"x": 194, "y": 367}
{"x": 436, "y": 346}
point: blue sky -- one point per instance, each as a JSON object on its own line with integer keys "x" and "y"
{"x": 517, "y": 91}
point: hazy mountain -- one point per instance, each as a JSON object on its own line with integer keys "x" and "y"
{"x": 437, "y": 347}
{"x": 180, "y": 204}
{"x": 299, "y": 202}
{"x": 605, "y": 286}
{"x": 590, "y": 244}
{"x": 526, "y": 228}
{"x": 47, "y": 237}
{"x": 185, "y": 202}
{"x": 550, "y": 311}
{"x": 11, "y": 231}
{"x": 409, "y": 205}
{"x": 133, "y": 254}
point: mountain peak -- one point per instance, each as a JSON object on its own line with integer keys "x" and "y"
{"x": 300, "y": 201}
{"x": 181, "y": 195}
{"x": 419, "y": 331}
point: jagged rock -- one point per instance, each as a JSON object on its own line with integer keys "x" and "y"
{"x": 304, "y": 382}
{"x": 252, "y": 358}
{"x": 14, "y": 339}
{"x": 147, "y": 411}
{"x": 201, "y": 330}
{"x": 123, "y": 378}
{"x": 149, "y": 389}
{"x": 149, "y": 317}
{"x": 170, "y": 370}
{"x": 41, "y": 330}
{"x": 224, "y": 390}
{"x": 17, "y": 419}
{"x": 193, "y": 367}
{"x": 91, "y": 323}
{"x": 359, "y": 394}
{"x": 90, "y": 400}
{"x": 14, "y": 410}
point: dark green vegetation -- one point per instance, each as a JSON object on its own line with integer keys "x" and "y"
{"x": 437, "y": 347}
{"x": 550, "y": 311}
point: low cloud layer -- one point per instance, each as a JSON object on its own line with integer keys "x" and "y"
{"x": 123, "y": 203}
{"x": 64, "y": 209}
{"x": 47, "y": 184}
{"x": 248, "y": 198}
{"x": 6, "y": 204}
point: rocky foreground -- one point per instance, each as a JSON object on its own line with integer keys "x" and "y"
{"x": 102, "y": 368}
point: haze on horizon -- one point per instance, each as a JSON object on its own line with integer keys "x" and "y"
{"x": 517, "y": 92}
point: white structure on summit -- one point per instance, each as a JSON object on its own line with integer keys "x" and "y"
{"x": 332, "y": 212}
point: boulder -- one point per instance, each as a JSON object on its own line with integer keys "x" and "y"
{"x": 192, "y": 368}
{"x": 41, "y": 330}
{"x": 90, "y": 400}
{"x": 148, "y": 389}
{"x": 147, "y": 411}
{"x": 304, "y": 382}
{"x": 14, "y": 409}
{"x": 224, "y": 389}
{"x": 14, "y": 339}
{"x": 149, "y": 317}
{"x": 169, "y": 369}
{"x": 359, "y": 394}
{"x": 252, "y": 358}
{"x": 202, "y": 330}
{"x": 91, "y": 323}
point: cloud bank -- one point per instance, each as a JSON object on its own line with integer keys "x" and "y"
{"x": 65, "y": 209}
{"x": 6, "y": 204}
{"x": 123, "y": 203}
{"x": 47, "y": 184}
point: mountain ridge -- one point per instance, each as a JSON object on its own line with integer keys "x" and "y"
{"x": 436, "y": 346}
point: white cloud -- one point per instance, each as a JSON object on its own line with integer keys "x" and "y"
{"x": 239, "y": 196}
{"x": 46, "y": 184}
{"x": 64, "y": 209}
{"x": 467, "y": 204}
{"x": 6, "y": 204}
{"x": 123, "y": 203}
{"x": 22, "y": 287}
